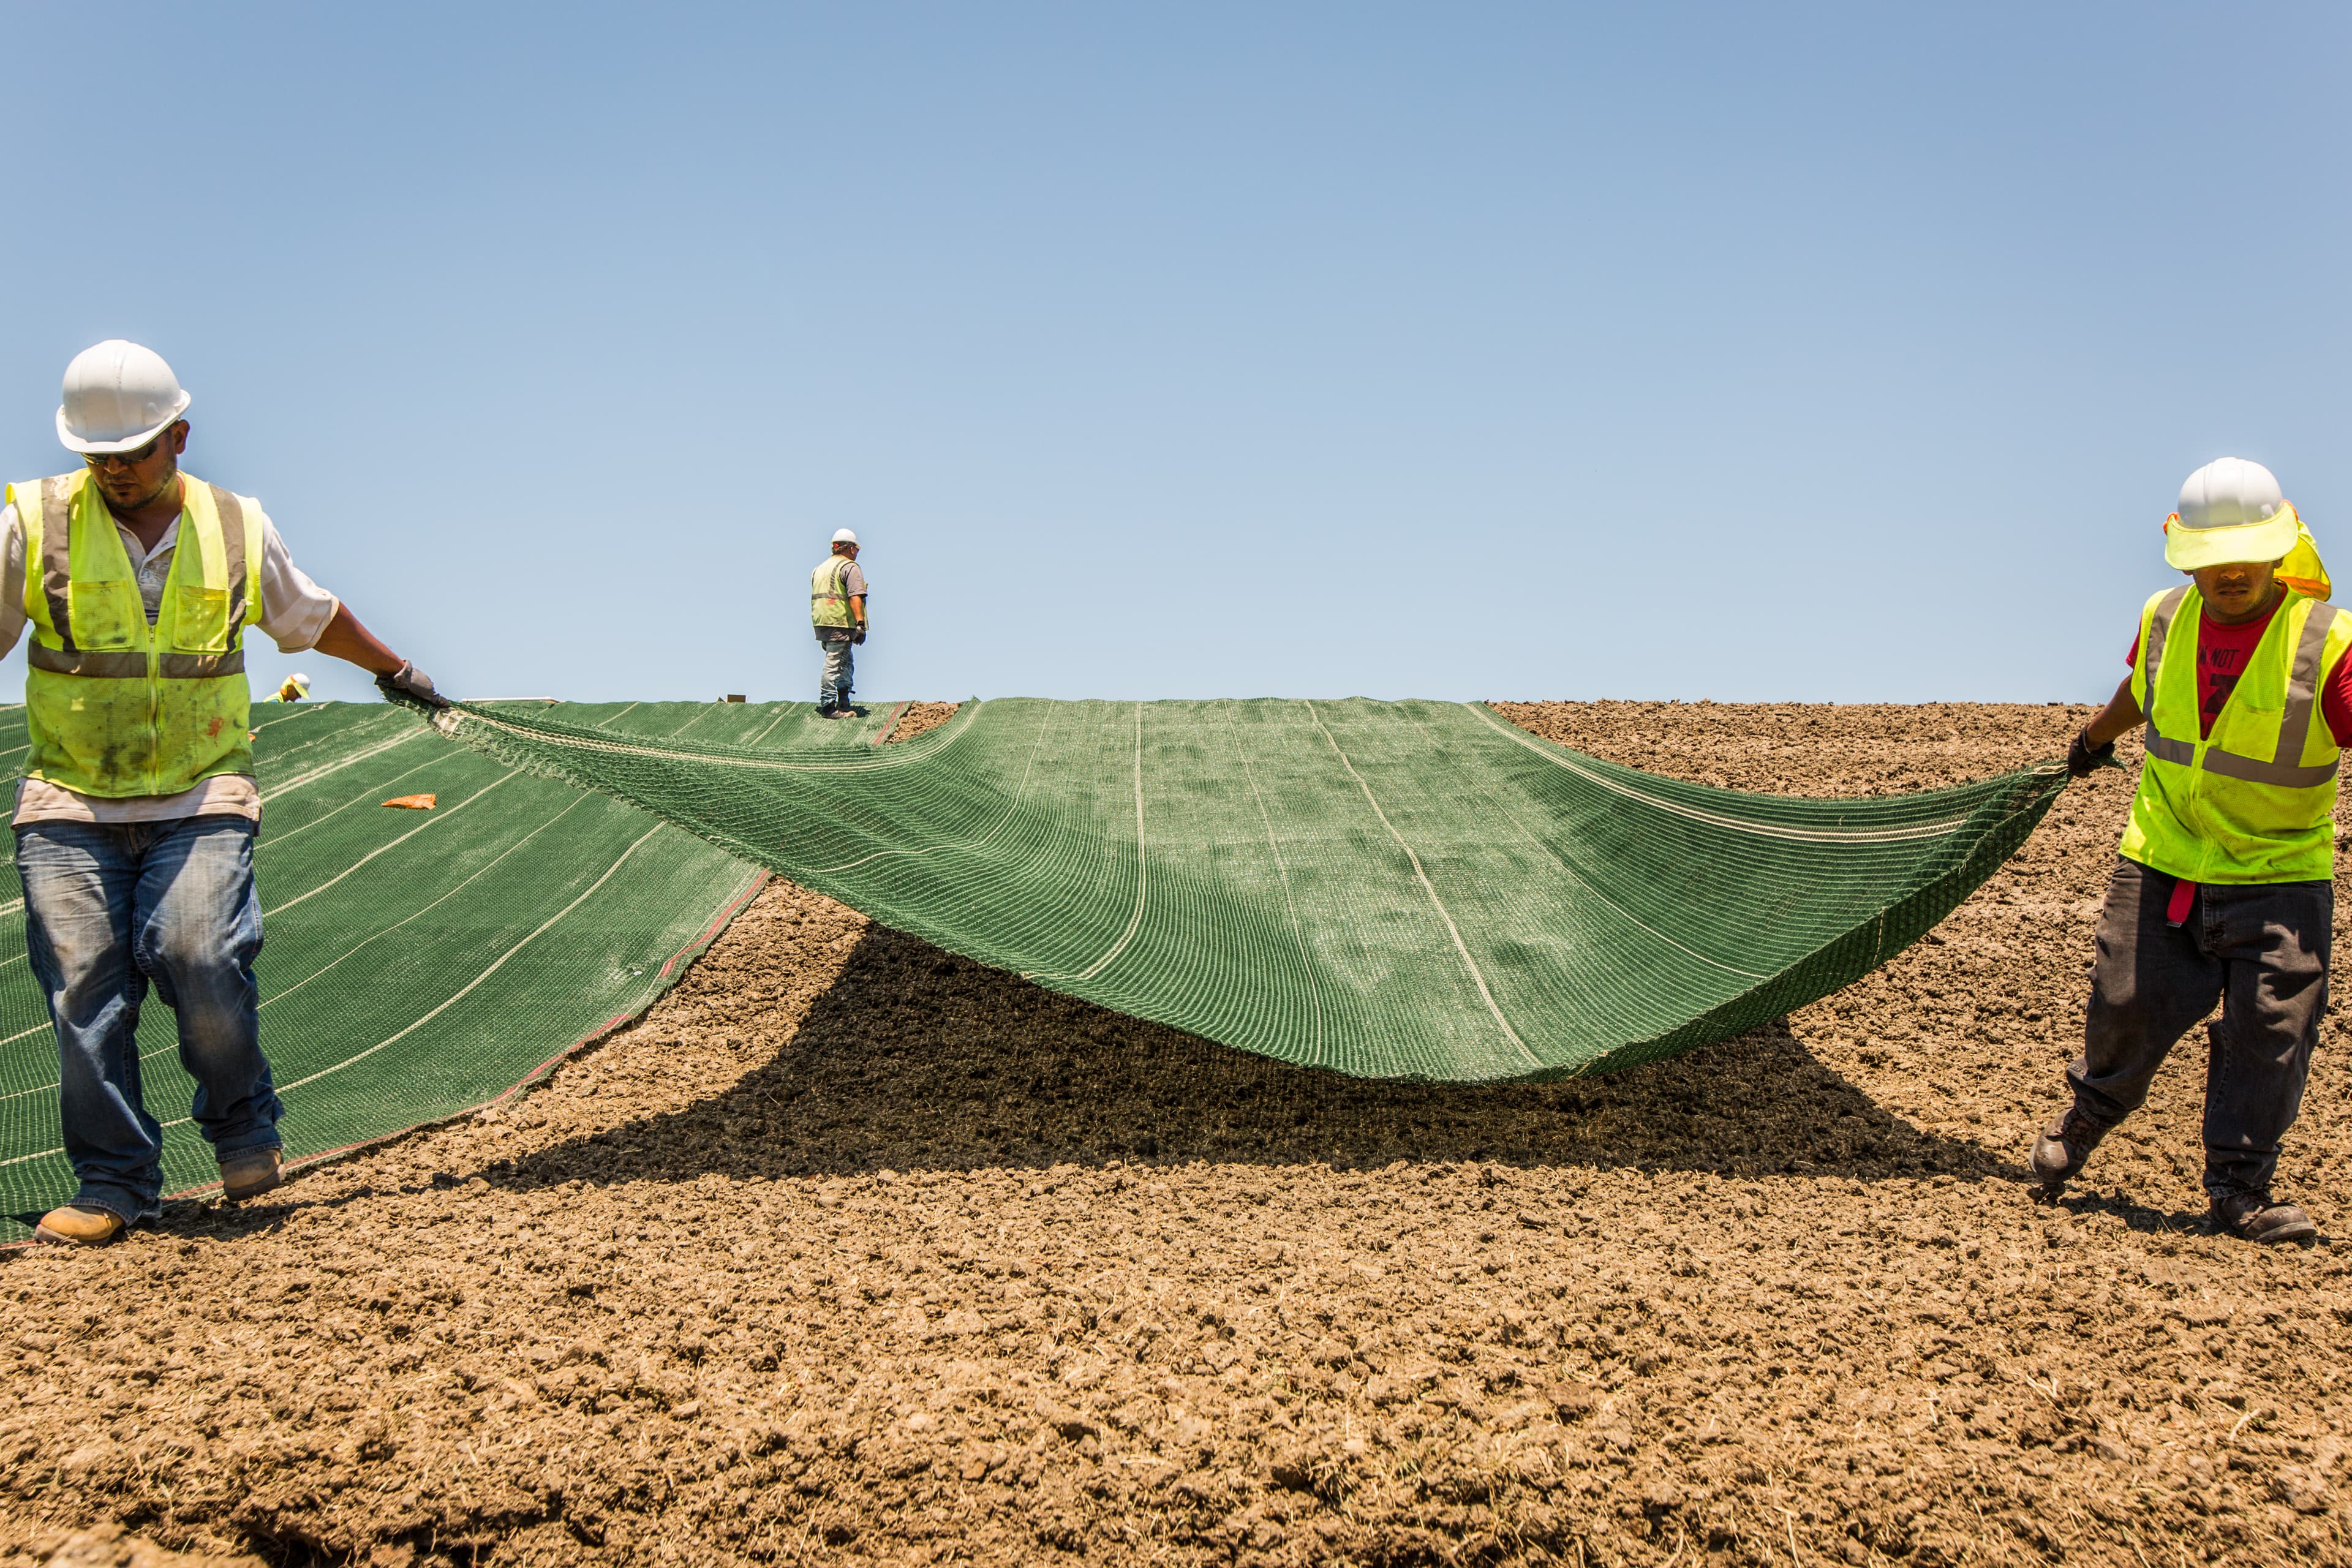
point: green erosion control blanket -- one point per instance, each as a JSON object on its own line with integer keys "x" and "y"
{"x": 1387, "y": 888}
{"x": 417, "y": 963}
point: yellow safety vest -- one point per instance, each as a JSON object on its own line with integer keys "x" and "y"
{"x": 116, "y": 706}
{"x": 828, "y": 600}
{"x": 2256, "y": 800}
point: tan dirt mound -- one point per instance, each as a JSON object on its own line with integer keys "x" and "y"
{"x": 853, "y": 1251}
{"x": 921, "y": 716}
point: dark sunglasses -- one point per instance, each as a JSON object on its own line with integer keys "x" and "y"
{"x": 127, "y": 460}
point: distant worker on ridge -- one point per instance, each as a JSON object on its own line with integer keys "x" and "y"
{"x": 136, "y": 815}
{"x": 2223, "y": 891}
{"x": 837, "y": 606}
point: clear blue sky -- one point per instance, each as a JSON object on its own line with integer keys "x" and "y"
{"x": 1736, "y": 352}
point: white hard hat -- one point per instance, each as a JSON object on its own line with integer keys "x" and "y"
{"x": 2231, "y": 510}
{"x": 117, "y": 397}
{"x": 842, "y": 536}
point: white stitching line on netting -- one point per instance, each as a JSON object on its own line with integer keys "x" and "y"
{"x": 315, "y": 775}
{"x": 1587, "y": 883}
{"x": 1282, "y": 868}
{"x": 381, "y": 848}
{"x": 1011, "y": 811}
{"x": 1142, "y": 879}
{"x": 900, "y": 755}
{"x": 13, "y": 905}
{"x": 347, "y": 953}
{"x": 359, "y": 799}
{"x": 781, "y": 709}
{"x": 697, "y": 716}
{"x": 294, "y": 710}
{"x": 444, "y": 1007}
{"x": 347, "y": 735}
{"x": 495, "y": 965}
{"x": 1808, "y": 834}
{"x": 1438, "y": 903}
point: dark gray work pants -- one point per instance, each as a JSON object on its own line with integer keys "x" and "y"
{"x": 2262, "y": 952}
{"x": 840, "y": 669}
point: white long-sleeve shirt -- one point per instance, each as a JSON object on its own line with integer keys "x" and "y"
{"x": 294, "y": 612}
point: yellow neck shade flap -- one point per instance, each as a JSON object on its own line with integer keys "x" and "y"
{"x": 2301, "y": 570}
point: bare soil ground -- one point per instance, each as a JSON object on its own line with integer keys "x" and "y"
{"x": 854, "y": 1252}
{"x": 921, "y": 716}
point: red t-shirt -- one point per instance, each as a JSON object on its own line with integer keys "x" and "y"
{"x": 2221, "y": 655}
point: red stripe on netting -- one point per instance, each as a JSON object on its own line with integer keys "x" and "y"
{"x": 718, "y": 921}
{"x": 891, "y": 722}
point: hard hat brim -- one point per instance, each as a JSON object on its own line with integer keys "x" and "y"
{"x": 2192, "y": 548}
{"x": 74, "y": 442}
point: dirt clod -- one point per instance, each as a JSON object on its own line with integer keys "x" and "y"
{"x": 853, "y": 1251}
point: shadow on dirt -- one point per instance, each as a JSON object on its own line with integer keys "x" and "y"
{"x": 917, "y": 1059}
{"x": 2145, "y": 1218}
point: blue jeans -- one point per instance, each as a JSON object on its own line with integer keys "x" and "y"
{"x": 107, "y": 910}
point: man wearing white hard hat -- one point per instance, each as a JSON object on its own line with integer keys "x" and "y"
{"x": 2224, "y": 891}
{"x": 136, "y": 814}
{"x": 837, "y": 608}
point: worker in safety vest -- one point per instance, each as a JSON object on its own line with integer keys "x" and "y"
{"x": 2223, "y": 893}
{"x": 838, "y": 607}
{"x": 136, "y": 815}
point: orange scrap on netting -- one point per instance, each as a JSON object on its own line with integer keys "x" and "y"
{"x": 414, "y": 802}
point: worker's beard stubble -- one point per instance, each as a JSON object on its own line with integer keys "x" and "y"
{"x": 129, "y": 490}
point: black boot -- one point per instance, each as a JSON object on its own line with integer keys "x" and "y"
{"x": 2253, "y": 1216}
{"x": 2064, "y": 1146}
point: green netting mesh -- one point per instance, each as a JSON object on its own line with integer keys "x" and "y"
{"x": 1385, "y": 889}
{"x": 1408, "y": 889}
{"x": 417, "y": 963}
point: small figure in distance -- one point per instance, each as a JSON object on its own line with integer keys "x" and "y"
{"x": 2223, "y": 890}
{"x": 136, "y": 816}
{"x": 837, "y": 608}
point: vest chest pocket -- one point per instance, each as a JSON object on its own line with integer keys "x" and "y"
{"x": 200, "y": 620}
{"x": 106, "y": 614}
{"x": 2251, "y": 721}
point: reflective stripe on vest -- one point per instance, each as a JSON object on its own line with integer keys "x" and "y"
{"x": 2303, "y": 679}
{"x": 2159, "y": 625}
{"x": 117, "y": 704}
{"x": 134, "y": 665}
{"x": 828, "y": 604}
{"x": 2294, "y": 726}
{"x": 2252, "y": 799}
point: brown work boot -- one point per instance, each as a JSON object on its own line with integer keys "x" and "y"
{"x": 74, "y": 1226}
{"x": 251, "y": 1174}
{"x": 2064, "y": 1146}
{"x": 2252, "y": 1216}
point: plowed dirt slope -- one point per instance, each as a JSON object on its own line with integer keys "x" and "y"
{"x": 854, "y": 1252}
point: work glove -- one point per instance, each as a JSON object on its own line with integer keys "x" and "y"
{"x": 2083, "y": 760}
{"x": 410, "y": 684}
{"x": 858, "y": 636}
